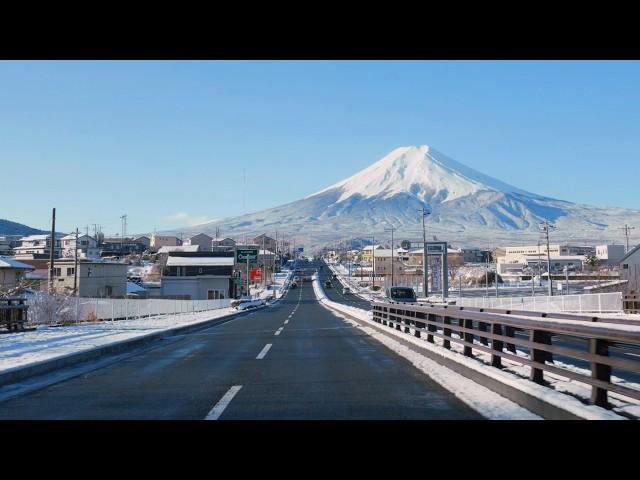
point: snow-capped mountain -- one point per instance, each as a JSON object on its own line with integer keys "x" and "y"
{"x": 467, "y": 207}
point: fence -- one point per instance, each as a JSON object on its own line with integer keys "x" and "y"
{"x": 491, "y": 333}
{"x": 53, "y": 309}
{"x": 594, "y": 302}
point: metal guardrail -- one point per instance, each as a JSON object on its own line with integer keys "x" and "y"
{"x": 590, "y": 302}
{"x": 499, "y": 334}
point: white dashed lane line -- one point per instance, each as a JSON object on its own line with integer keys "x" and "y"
{"x": 264, "y": 351}
{"x": 219, "y": 407}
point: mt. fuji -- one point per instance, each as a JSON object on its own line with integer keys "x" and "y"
{"x": 468, "y": 208}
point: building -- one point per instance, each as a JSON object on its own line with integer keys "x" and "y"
{"x": 96, "y": 278}
{"x": 87, "y": 247}
{"x": 38, "y": 246}
{"x": 367, "y": 252}
{"x": 475, "y": 255}
{"x": 159, "y": 241}
{"x": 143, "y": 240}
{"x": 119, "y": 247}
{"x": 12, "y": 272}
{"x": 199, "y": 276}
{"x": 205, "y": 242}
{"x": 225, "y": 242}
{"x": 265, "y": 242}
{"x": 518, "y": 254}
{"x": 630, "y": 270}
{"x": 8, "y": 243}
{"x": 610, "y": 254}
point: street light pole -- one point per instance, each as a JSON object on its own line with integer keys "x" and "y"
{"x": 425, "y": 262}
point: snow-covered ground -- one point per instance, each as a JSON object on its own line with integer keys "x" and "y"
{"x": 46, "y": 343}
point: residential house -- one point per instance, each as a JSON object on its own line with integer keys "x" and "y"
{"x": 205, "y": 242}
{"x": 8, "y": 243}
{"x": 225, "y": 242}
{"x": 86, "y": 246}
{"x": 12, "y": 272}
{"x": 265, "y": 242}
{"x": 96, "y": 278}
{"x": 38, "y": 246}
{"x": 199, "y": 275}
{"x": 159, "y": 241}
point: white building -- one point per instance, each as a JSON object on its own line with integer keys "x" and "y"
{"x": 630, "y": 270}
{"x": 198, "y": 276}
{"x": 34, "y": 246}
{"x": 86, "y": 246}
{"x": 519, "y": 253}
{"x": 610, "y": 254}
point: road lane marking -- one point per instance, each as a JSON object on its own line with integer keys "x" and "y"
{"x": 278, "y": 331}
{"x": 286, "y": 321}
{"x": 216, "y": 411}
{"x": 264, "y": 351}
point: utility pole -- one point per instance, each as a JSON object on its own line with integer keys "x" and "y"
{"x": 425, "y": 260}
{"x": 391, "y": 229}
{"x": 75, "y": 267}
{"x": 626, "y": 229}
{"x": 486, "y": 279}
{"x": 124, "y": 231}
{"x": 51, "y": 250}
{"x": 373, "y": 253}
{"x": 546, "y": 226}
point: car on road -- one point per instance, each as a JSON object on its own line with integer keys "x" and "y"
{"x": 294, "y": 284}
{"x": 346, "y": 291}
{"x": 401, "y": 294}
{"x": 327, "y": 284}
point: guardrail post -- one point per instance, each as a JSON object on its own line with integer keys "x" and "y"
{"x": 509, "y": 332}
{"x": 483, "y": 328}
{"x": 496, "y": 345}
{"x": 431, "y": 327}
{"x": 407, "y": 322}
{"x": 447, "y": 332}
{"x": 599, "y": 372}
{"x": 418, "y": 325}
{"x": 468, "y": 337}
{"x": 540, "y": 356}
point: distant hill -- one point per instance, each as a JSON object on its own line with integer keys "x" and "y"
{"x": 8, "y": 227}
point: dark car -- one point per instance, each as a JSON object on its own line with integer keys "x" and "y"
{"x": 328, "y": 284}
{"x": 294, "y": 285}
{"x": 401, "y": 294}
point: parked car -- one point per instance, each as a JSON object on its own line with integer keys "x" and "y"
{"x": 401, "y": 294}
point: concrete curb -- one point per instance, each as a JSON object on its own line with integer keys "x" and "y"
{"x": 46, "y": 366}
{"x": 530, "y": 402}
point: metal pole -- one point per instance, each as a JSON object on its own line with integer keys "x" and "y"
{"x": 52, "y": 248}
{"x": 373, "y": 253}
{"x": 425, "y": 261}
{"x": 75, "y": 265}
{"x": 486, "y": 279}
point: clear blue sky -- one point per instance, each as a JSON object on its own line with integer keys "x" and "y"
{"x": 167, "y": 142}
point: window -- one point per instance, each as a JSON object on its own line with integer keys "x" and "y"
{"x": 215, "y": 294}
{"x": 57, "y": 272}
{"x": 71, "y": 271}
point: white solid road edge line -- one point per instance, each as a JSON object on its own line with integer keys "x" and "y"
{"x": 216, "y": 411}
{"x": 264, "y": 351}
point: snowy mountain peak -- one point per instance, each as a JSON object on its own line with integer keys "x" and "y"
{"x": 421, "y": 172}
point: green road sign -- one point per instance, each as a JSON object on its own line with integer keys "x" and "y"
{"x": 243, "y": 253}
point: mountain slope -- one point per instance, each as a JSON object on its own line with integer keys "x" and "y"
{"x": 467, "y": 206}
{"x": 8, "y": 227}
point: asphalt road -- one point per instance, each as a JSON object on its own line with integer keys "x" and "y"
{"x": 335, "y": 292}
{"x": 293, "y": 360}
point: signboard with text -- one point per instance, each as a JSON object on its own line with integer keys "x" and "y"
{"x": 243, "y": 253}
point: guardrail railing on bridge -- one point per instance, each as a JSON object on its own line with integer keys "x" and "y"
{"x": 499, "y": 334}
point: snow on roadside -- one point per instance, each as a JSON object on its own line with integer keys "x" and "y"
{"x": 45, "y": 343}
